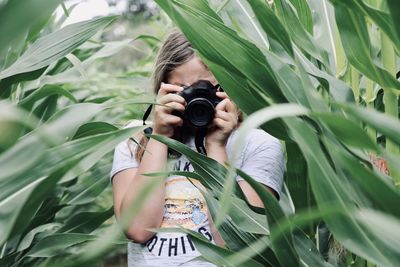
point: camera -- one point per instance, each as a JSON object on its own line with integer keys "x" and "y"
{"x": 201, "y": 99}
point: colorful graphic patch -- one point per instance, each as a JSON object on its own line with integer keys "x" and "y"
{"x": 184, "y": 204}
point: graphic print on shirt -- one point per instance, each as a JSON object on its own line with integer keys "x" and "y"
{"x": 186, "y": 207}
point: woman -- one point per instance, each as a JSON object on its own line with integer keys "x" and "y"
{"x": 178, "y": 201}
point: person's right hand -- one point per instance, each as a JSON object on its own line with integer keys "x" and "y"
{"x": 168, "y": 100}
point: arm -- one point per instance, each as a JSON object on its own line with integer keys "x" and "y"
{"x": 127, "y": 184}
{"x": 224, "y": 123}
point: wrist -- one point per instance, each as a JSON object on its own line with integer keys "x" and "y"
{"x": 212, "y": 146}
{"x": 156, "y": 146}
{"x": 217, "y": 151}
{"x": 157, "y": 131}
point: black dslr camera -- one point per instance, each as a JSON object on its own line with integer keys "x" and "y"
{"x": 201, "y": 100}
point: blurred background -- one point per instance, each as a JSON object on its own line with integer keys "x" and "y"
{"x": 126, "y": 74}
{"x": 113, "y": 65}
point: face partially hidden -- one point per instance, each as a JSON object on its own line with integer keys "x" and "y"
{"x": 190, "y": 72}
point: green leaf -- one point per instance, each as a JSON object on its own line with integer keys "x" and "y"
{"x": 203, "y": 30}
{"x": 394, "y": 8}
{"x": 48, "y": 228}
{"x": 55, "y": 46}
{"x": 356, "y": 43}
{"x": 337, "y": 88}
{"x": 271, "y": 24}
{"x": 289, "y": 81}
{"x": 283, "y": 246}
{"x": 331, "y": 187}
{"x": 213, "y": 253}
{"x": 86, "y": 222}
{"x": 381, "y": 192}
{"x": 242, "y": 228}
{"x": 382, "y": 19}
{"x": 325, "y": 31}
{"x": 308, "y": 252}
{"x": 57, "y": 243}
{"x": 385, "y": 124}
{"x": 304, "y": 13}
{"x": 239, "y": 16}
{"x": 72, "y": 75}
{"x": 219, "y": 256}
{"x": 92, "y": 128}
{"x": 18, "y": 17}
{"x": 382, "y": 227}
{"x": 347, "y": 131}
{"x": 69, "y": 160}
{"x": 12, "y": 122}
{"x": 296, "y": 178}
{"x": 45, "y": 91}
{"x": 21, "y": 206}
{"x": 298, "y": 34}
{"x": 98, "y": 247}
{"x": 56, "y": 131}
{"x": 86, "y": 190}
{"x": 150, "y": 40}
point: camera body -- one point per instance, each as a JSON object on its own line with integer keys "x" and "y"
{"x": 201, "y": 99}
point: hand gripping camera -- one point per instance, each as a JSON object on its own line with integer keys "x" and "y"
{"x": 201, "y": 100}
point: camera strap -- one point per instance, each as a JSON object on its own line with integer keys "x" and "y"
{"x": 199, "y": 140}
{"x": 148, "y": 130}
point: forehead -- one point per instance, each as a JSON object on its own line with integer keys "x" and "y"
{"x": 190, "y": 72}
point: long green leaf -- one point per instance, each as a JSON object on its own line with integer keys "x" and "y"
{"x": 56, "y": 131}
{"x": 382, "y": 19}
{"x": 62, "y": 162}
{"x": 18, "y": 17}
{"x": 57, "y": 243}
{"x": 213, "y": 253}
{"x": 298, "y": 34}
{"x": 283, "y": 247}
{"x": 329, "y": 188}
{"x": 203, "y": 30}
{"x": 387, "y": 125}
{"x": 355, "y": 39}
{"x": 325, "y": 29}
{"x": 55, "y": 46}
{"x": 45, "y": 91}
{"x": 271, "y": 24}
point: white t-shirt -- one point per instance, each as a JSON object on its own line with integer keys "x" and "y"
{"x": 262, "y": 158}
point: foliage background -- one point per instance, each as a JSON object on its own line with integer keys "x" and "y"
{"x": 313, "y": 73}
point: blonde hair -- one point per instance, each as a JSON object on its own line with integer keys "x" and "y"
{"x": 175, "y": 51}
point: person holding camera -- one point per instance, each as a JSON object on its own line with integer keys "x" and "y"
{"x": 194, "y": 110}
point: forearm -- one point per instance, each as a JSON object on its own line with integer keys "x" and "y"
{"x": 217, "y": 152}
{"x": 151, "y": 212}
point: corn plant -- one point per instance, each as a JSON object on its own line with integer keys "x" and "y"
{"x": 309, "y": 80}
{"x": 57, "y": 133}
{"x": 316, "y": 74}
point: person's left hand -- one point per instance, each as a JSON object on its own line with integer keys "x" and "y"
{"x": 225, "y": 121}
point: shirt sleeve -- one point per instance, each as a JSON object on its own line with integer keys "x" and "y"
{"x": 124, "y": 157}
{"x": 263, "y": 160}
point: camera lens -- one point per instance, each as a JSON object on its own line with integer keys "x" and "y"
{"x": 200, "y": 112}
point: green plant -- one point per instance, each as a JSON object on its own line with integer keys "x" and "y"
{"x": 57, "y": 117}
{"x": 309, "y": 72}
{"x": 288, "y": 84}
